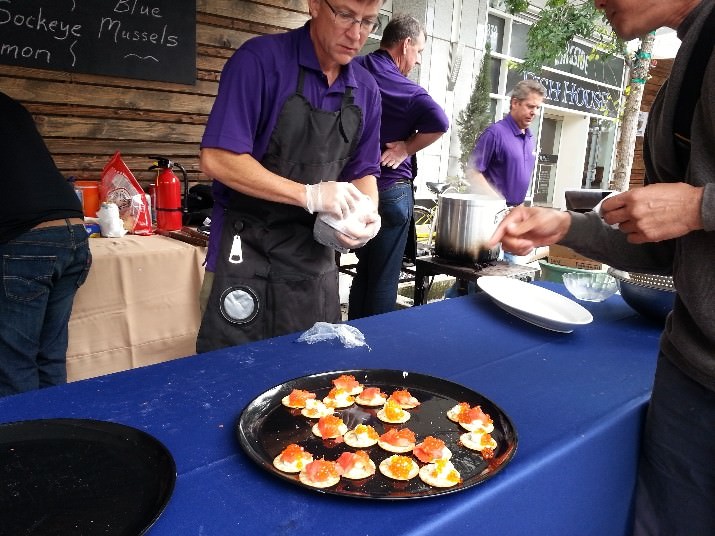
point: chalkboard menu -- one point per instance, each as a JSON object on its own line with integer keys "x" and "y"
{"x": 144, "y": 39}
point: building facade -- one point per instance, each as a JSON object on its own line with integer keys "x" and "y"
{"x": 577, "y": 127}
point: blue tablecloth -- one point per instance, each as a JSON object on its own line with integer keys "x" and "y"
{"x": 577, "y": 401}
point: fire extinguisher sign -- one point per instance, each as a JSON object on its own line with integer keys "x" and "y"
{"x": 143, "y": 39}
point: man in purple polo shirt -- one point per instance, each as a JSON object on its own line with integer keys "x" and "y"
{"x": 503, "y": 158}
{"x": 505, "y": 153}
{"x": 411, "y": 120}
{"x": 293, "y": 133}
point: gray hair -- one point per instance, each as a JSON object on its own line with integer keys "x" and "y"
{"x": 524, "y": 88}
{"x": 400, "y": 27}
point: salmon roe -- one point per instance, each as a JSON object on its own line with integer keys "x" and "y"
{"x": 400, "y": 466}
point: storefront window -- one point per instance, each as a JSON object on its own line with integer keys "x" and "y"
{"x": 517, "y": 47}
{"x": 599, "y": 154}
{"x": 495, "y": 33}
{"x": 495, "y": 66}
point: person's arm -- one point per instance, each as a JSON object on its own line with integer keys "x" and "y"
{"x": 398, "y": 151}
{"x": 526, "y": 228}
{"x": 368, "y": 186}
{"x": 656, "y": 212}
{"x": 243, "y": 173}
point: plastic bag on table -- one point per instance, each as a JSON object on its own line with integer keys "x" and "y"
{"x": 119, "y": 186}
{"x": 350, "y": 336}
{"x": 110, "y": 224}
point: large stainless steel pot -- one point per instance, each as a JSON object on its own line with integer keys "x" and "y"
{"x": 465, "y": 222}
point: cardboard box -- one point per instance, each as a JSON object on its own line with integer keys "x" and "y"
{"x": 564, "y": 256}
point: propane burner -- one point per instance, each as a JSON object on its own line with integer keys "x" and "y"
{"x": 460, "y": 264}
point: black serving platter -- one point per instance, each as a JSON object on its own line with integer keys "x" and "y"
{"x": 266, "y": 427}
{"x": 79, "y": 476}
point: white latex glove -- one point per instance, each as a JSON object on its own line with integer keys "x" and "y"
{"x": 331, "y": 237}
{"x": 336, "y": 198}
{"x": 357, "y": 234}
{"x": 352, "y": 232}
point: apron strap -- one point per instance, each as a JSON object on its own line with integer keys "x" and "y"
{"x": 301, "y": 76}
{"x": 348, "y": 100}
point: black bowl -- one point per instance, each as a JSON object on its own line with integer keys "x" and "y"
{"x": 651, "y": 296}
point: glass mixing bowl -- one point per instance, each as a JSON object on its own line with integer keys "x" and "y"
{"x": 590, "y": 286}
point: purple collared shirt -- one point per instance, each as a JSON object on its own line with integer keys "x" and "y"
{"x": 255, "y": 83}
{"x": 406, "y": 108}
{"x": 506, "y": 156}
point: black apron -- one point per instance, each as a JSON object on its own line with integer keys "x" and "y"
{"x": 272, "y": 277}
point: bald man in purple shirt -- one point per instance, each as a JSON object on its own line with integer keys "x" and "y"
{"x": 504, "y": 156}
{"x": 293, "y": 133}
{"x": 411, "y": 120}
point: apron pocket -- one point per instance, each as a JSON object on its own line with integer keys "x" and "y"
{"x": 235, "y": 313}
{"x": 239, "y": 304}
{"x": 296, "y": 302}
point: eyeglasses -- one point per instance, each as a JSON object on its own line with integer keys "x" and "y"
{"x": 346, "y": 20}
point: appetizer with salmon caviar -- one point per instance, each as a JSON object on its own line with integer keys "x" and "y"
{"x": 393, "y": 413}
{"x": 399, "y": 441}
{"x": 292, "y": 459}
{"x": 297, "y": 398}
{"x": 404, "y": 399}
{"x": 362, "y": 436}
{"x": 440, "y": 474}
{"x": 329, "y": 427}
{"x": 355, "y": 465}
{"x": 471, "y": 418}
{"x": 431, "y": 449}
{"x": 338, "y": 398}
{"x": 348, "y": 383}
{"x": 399, "y": 467}
{"x": 320, "y": 474}
{"x": 371, "y": 396}
{"x": 454, "y": 412}
{"x": 315, "y": 409}
{"x": 481, "y": 441}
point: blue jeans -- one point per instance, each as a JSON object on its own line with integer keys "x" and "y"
{"x": 374, "y": 287}
{"x": 40, "y": 271}
{"x": 676, "y": 475}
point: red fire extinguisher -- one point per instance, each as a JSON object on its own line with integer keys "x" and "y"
{"x": 169, "y": 200}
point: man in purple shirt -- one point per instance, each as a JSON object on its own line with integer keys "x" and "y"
{"x": 411, "y": 120}
{"x": 505, "y": 153}
{"x": 293, "y": 132}
{"x": 503, "y": 158}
